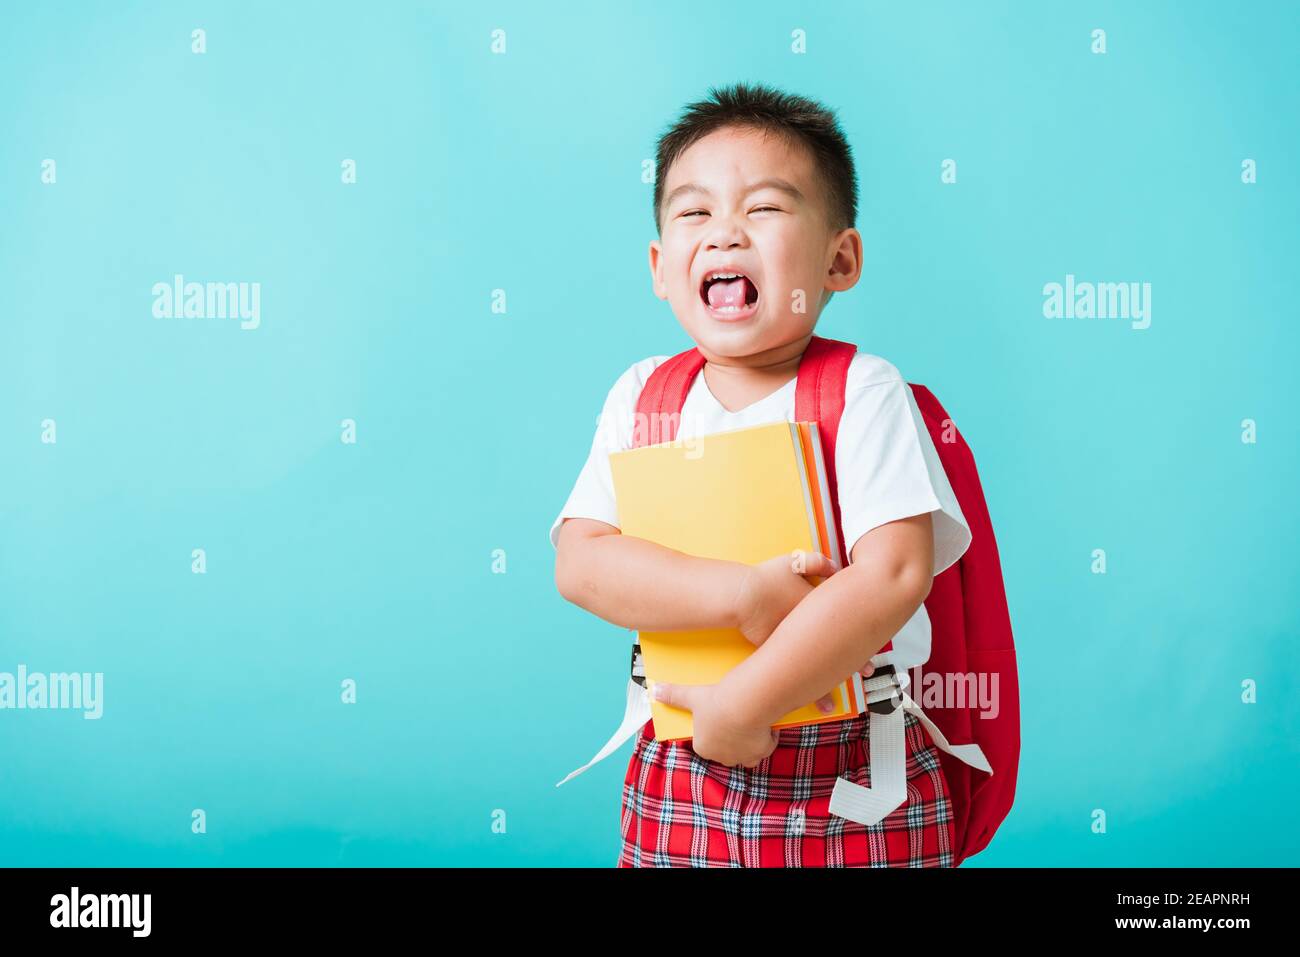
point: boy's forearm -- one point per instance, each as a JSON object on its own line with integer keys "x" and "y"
{"x": 636, "y": 583}
{"x": 832, "y": 633}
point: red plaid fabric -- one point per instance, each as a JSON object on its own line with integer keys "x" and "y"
{"x": 680, "y": 810}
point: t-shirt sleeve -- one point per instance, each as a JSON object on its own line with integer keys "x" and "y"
{"x": 887, "y": 468}
{"x": 593, "y": 493}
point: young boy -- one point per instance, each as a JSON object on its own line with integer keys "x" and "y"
{"x": 759, "y": 188}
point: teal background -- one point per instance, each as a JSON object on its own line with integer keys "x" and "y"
{"x": 478, "y": 691}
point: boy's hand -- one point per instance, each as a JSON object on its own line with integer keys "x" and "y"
{"x": 771, "y": 589}
{"x": 719, "y": 735}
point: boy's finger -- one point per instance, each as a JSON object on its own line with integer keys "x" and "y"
{"x": 813, "y": 563}
{"x": 825, "y": 704}
{"x": 827, "y": 566}
{"x": 679, "y": 696}
{"x": 776, "y": 741}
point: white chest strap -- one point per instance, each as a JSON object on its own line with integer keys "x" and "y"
{"x": 888, "y": 764}
{"x": 636, "y": 714}
{"x": 888, "y": 745}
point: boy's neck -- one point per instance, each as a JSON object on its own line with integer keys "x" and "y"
{"x": 740, "y": 382}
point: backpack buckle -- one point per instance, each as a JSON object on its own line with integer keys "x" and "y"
{"x": 638, "y": 664}
{"x": 886, "y": 705}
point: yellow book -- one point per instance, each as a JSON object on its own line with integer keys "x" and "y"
{"x": 743, "y": 495}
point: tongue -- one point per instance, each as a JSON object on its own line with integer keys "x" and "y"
{"x": 727, "y": 292}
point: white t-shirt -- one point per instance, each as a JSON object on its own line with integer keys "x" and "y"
{"x": 886, "y": 465}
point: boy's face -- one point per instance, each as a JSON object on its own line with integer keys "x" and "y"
{"x": 726, "y": 208}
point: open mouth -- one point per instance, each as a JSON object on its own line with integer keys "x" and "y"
{"x": 729, "y": 293}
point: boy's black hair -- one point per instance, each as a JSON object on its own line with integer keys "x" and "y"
{"x": 761, "y": 107}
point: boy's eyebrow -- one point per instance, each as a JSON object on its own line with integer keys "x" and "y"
{"x": 772, "y": 182}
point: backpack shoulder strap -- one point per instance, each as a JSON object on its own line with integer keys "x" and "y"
{"x": 659, "y": 406}
{"x": 819, "y": 397}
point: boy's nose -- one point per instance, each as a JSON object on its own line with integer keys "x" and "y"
{"x": 727, "y": 237}
{"x": 726, "y": 231}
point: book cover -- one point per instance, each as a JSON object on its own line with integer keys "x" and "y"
{"x": 743, "y": 495}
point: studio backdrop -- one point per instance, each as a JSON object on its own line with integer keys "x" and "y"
{"x": 291, "y": 534}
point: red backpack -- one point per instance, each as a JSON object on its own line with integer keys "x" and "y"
{"x": 967, "y": 605}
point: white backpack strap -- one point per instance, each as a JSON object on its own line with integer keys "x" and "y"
{"x": 966, "y": 753}
{"x": 888, "y": 789}
{"x": 888, "y": 775}
{"x": 635, "y": 715}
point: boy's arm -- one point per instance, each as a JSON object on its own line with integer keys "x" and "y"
{"x": 840, "y": 624}
{"x": 636, "y": 583}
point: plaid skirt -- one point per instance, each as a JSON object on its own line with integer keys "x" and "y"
{"x": 680, "y": 810}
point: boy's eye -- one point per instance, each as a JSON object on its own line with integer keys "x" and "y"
{"x": 756, "y": 209}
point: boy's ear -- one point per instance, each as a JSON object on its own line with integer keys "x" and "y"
{"x": 846, "y": 262}
{"x": 656, "y": 269}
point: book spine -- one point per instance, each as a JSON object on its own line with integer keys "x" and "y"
{"x": 859, "y": 693}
